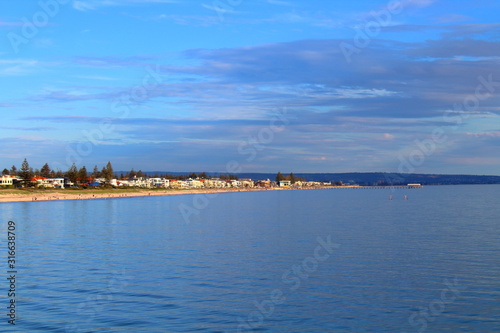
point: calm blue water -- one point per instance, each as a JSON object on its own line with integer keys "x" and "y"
{"x": 253, "y": 262}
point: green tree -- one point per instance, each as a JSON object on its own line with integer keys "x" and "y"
{"x": 13, "y": 171}
{"x": 25, "y": 171}
{"x": 132, "y": 173}
{"x": 72, "y": 174}
{"x": 83, "y": 174}
{"x": 280, "y": 177}
{"x": 108, "y": 172}
{"x": 96, "y": 173}
{"x": 140, "y": 174}
{"x": 5, "y": 172}
{"x": 45, "y": 171}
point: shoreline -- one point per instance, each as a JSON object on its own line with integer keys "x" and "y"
{"x": 86, "y": 194}
{"x": 82, "y": 195}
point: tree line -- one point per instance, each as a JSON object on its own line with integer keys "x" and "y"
{"x": 82, "y": 175}
{"x": 291, "y": 177}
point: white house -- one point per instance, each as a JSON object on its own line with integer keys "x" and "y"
{"x": 159, "y": 182}
{"x": 247, "y": 182}
{"x": 6, "y": 181}
{"x": 285, "y": 183}
{"x": 235, "y": 183}
{"x": 55, "y": 182}
{"x": 194, "y": 183}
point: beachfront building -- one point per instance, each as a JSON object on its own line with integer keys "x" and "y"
{"x": 39, "y": 181}
{"x": 216, "y": 183}
{"x": 138, "y": 182}
{"x": 312, "y": 184}
{"x": 223, "y": 183}
{"x": 173, "y": 183}
{"x": 122, "y": 183}
{"x": 285, "y": 183}
{"x": 263, "y": 183}
{"x": 159, "y": 182}
{"x": 193, "y": 183}
{"x": 6, "y": 181}
{"x": 234, "y": 183}
{"x": 246, "y": 182}
{"x": 178, "y": 184}
{"x": 209, "y": 183}
{"x": 55, "y": 183}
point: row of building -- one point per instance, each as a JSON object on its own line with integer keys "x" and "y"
{"x": 156, "y": 183}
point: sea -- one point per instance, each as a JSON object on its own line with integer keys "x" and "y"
{"x": 323, "y": 260}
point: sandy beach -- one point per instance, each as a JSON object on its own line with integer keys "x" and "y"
{"x": 54, "y": 195}
{"x": 21, "y": 196}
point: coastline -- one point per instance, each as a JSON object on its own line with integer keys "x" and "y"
{"x": 88, "y": 194}
{"x": 94, "y": 195}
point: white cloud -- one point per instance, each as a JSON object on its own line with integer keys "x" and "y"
{"x": 17, "y": 67}
{"x": 85, "y": 5}
{"x": 96, "y": 77}
{"x": 224, "y": 10}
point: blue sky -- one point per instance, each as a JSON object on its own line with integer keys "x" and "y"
{"x": 266, "y": 85}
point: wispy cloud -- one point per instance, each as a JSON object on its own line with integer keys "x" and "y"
{"x": 280, "y": 2}
{"x": 113, "y": 62}
{"x": 18, "y": 67}
{"x": 96, "y": 77}
{"x": 11, "y": 24}
{"x": 223, "y": 10}
{"x": 36, "y": 129}
{"x": 86, "y": 5}
{"x": 453, "y": 18}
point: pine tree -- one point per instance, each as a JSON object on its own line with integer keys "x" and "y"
{"x": 279, "y": 177}
{"x": 132, "y": 173}
{"x": 108, "y": 172}
{"x": 83, "y": 174}
{"x": 5, "y": 172}
{"x": 45, "y": 171}
{"x": 25, "y": 171}
{"x": 96, "y": 173}
{"x": 72, "y": 173}
{"x": 13, "y": 171}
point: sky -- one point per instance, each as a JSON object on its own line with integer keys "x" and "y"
{"x": 252, "y": 85}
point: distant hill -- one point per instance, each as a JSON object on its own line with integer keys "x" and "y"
{"x": 370, "y": 178}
